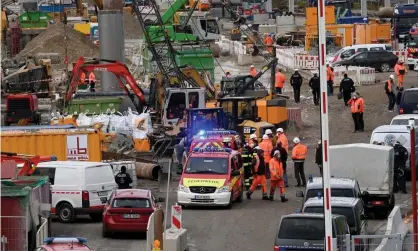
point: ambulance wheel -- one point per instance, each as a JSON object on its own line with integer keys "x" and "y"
{"x": 66, "y": 213}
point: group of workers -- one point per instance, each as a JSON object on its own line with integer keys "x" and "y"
{"x": 91, "y": 80}
{"x": 395, "y": 91}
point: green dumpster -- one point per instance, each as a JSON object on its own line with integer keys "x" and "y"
{"x": 95, "y": 105}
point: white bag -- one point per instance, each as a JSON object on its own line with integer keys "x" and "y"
{"x": 103, "y": 119}
{"x": 140, "y": 124}
{"x": 84, "y": 120}
{"x": 118, "y": 124}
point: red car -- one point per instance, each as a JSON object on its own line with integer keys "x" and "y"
{"x": 61, "y": 244}
{"x": 128, "y": 210}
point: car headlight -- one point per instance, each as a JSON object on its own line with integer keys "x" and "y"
{"x": 182, "y": 188}
{"x": 223, "y": 189}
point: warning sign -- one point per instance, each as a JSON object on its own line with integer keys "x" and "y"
{"x": 77, "y": 147}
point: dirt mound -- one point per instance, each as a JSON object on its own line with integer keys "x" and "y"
{"x": 52, "y": 40}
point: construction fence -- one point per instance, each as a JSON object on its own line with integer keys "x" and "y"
{"x": 14, "y": 236}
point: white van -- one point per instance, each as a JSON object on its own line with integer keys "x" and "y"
{"x": 348, "y": 51}
{"x": 399, "y": 133}
{"x": 78, "y": 187}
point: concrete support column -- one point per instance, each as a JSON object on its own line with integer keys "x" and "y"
{"x": 411, "y": 1}
{"x": 292, "y": 6}
{"x": 387, "y": 3}
{"x": 364, "y": 8}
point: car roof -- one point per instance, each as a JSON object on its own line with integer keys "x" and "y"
{"x": 411, "y": 89}
{"x": 308, "y": 215}
{"x": 406, "y": 116}
{"x": 132, "y": 193}
{"x": 334, "y": 182}
{"x": 391, "y": 128}
{"x": 335, "y": 202}
{"x": 66, "y": 164}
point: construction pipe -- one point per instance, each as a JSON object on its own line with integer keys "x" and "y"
{"x": 385, "y": 12}
{"x": 147, "y": 170}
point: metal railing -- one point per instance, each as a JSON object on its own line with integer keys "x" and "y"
{"x": 42, "y": 232}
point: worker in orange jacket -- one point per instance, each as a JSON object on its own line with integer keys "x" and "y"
{"x": 330, "y": 80}
{"x": 83, "y": 78}
{"x": 92, "y": 81}
{"x": 282, "y": 138}
{"x": 253, "y": 71}
{"x": 279, "y": 80}
{"x": 277, "y": 176}
{"x": 253, "y": 140}
{"x": 268, "y": 40}
{"x": 400, "y": 71}
{"x": 357, "y": 109}
{"x": 267, "y": 147}
{"x": 259, "y": 170}
{"x": 299, "y": 153}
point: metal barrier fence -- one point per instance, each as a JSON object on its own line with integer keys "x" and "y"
{"x": 14, "y": 236}
{"x": 42, "y": 232}
{"x": 408, "y": 242}
{"x": 392, "y": 242}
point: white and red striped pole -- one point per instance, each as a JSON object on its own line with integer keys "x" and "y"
{"x": 324, "y": 126}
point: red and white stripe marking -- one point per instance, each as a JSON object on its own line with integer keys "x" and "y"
{"x": 176, "y": 213}
{"x": 324, "y": 124}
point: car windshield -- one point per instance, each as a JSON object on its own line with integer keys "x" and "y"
{"x": 345, "y": 211}
{"x": 410, "y": 97}
{"x": 406, "y": 22}
{"x": 131, "y": 203}
{"x": 402, "y": 122}
{"x": 334, "y": 193}
{"x": 207, "y": 165}
{"x": 302, "y": 228}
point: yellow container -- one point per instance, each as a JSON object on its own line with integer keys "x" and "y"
{"x": 312, "y": 15}
{"x": 83, "y": 28}
{"x": 65, "y": 145}
{"x": 142, "y": 145}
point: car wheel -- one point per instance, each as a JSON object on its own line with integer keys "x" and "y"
{"x": 385, "y": 67}
{"x": 66, "y": 213}
{"x": 96, "y": 217}
{"x": 105, "y": 234}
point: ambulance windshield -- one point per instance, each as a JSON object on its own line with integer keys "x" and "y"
{"x": 207, "y": 165}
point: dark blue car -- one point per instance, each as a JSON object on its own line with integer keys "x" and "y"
{"x": 409, "y": 102}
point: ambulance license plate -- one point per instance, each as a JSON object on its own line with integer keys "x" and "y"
{"x": 202, "y": 197}
{"x": 100, "y": 194}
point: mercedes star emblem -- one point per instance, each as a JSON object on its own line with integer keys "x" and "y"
{"x": 306, "y": 244}
{"x": 202, "y": 190}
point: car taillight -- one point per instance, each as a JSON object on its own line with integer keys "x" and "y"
{"x": 378, "y": 202}
{"x": 276, "y": 248}
{"x": 401, "y": 111}
{"x": 85, "y": 195}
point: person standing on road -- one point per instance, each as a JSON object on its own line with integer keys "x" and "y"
{"x": 123, "y": 179}
{"x": 267, "y": 147}
{"x": 283, "y": 158}
{"x": 277, "y": 177}
{"x": 253, "y": 139}
{"x": 282, "y": 138}
{"x": 400, "y": 71}
{"x": 401, "y": 157}
{"x": 279, "y": 80}
{"x": 398, "y": 99}
{"x": 318, "y": 156}
{"x": 330, "y": 80}
{"x": 269, "y": 43}
{"x": 346, "y": 88}
{"x": 296, "y": 82}
{"x": 259, "y": 174}
{"x": 390, "y": 91}
{"x": 315, "y": 85}
{"x": 247, "y": 158}
{"x": 253, "y": 71}
{"x": 271, "y": 137}
{"x": 92, "y": 82}
{"x": 357, "y": 106}
{"x": 299, "y": 153}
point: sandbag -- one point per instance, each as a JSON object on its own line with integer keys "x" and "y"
{"x": 102, "y": 119}
{"x": 119, "y": 124}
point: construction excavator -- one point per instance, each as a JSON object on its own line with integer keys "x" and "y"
{"x": 29, "y": 161}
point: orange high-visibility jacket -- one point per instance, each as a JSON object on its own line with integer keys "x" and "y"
{"x": 276, "y": 169}
{"x": 299, "y": 152}
{"x": 267, "y": 147}
{"x": 330, "y": 74}
{"x": 268, "y": 41}
{"x": 92, "y": 77}
{"x": 357, "y": 105}
{"x": 253, "y": 72}
{"x": 82, "y": 78}
{"x": 285, "y": 143}
{"x": 279, "y": 80}
{"x": 399, "y": 67}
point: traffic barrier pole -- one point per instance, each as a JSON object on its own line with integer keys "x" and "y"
{"x": 413, "y": 182}
{"x": 324, "y": 126}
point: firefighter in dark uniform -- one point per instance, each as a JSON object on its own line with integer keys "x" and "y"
{"x": 123, "y": 179}
{"x": 401, "y": 156}
{"x": 247, "y": 159}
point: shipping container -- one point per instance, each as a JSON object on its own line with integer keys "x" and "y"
{"x": 54, "y": 7}
{"x": 95, "y": 105}
{"x": 65, "y": 144}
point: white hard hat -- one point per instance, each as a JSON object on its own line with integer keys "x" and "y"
{"x": 252, "y": 66}
{"x": 265, "y": 136}
{"x": 257, "y": 148}
{"x": 296, "y": 140}
{"x": 280, "y": 130}
{"x": 268, "y": 131}
{"x": 277, "y": 153}
{"x": 392, "y": 77}
{"x": 253, "y": 136}
{"x": 296, "y": 69}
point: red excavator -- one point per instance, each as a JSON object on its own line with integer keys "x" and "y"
{"x": 29, "y": 161}
{"x": 117, "y": 68}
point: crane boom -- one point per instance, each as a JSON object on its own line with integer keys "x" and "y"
{"x": 29, "y": 161}
{"x": 168, "y": 15}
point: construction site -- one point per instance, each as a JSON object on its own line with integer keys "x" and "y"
{"x": 128, "y": 82}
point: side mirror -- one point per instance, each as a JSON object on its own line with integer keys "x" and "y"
{"x": 299, "y": 194}
{"x": 235, "y": 173}
{"x": 160, "y": 199}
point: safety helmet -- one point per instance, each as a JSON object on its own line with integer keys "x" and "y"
{"x": 258, "y": 148}
{"x": 296, "y": 140}
{"x": 319, "y": 142}
{"x": 280, "y": 130}
{"x": 253, "y": 136}
{"x": 227, "y": 72}
{"x": 277, "y": 153}
{"x": 252, "y": 66}
{"x": 296, "y": 69}
{"x": 391, "y": 76}
{"x": 268, "y": 131}
{"x": 265, "y": 136}
{"x": 226, "y": 140}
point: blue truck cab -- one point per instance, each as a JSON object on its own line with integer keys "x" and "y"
{"x": 404, "y": 17}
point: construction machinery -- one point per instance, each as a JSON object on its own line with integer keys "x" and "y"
{"x": 29, "y": 161}
{"x": 22, "y": 109}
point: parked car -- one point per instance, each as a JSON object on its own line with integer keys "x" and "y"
{"x": 409, "y": 102}
{"x": 128, "y": 210}
{"x": 307, "y": 232}
{"x": 62, "y": 243}
{"x": 403, "y": 119}
{"x": 380, "y": 60}
{"x": 349, "y": 51}
{"x": 351, "y": 208}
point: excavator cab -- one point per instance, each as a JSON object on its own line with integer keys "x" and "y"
{"x": 230, "y": 85}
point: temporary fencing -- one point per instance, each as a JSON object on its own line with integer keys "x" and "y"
{"x": 402, "y": 55}
{"x": 360, "y": 75}
{"x": 232, "y": 47}
{"x": 14, "y": 233}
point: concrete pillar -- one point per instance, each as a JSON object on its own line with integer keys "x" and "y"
{"x": 292, "y": 6}
{"x": 387, "y": 3}
{"x": 364, "y": 8}
{"x": 269, "y": 6}
{"x": 112, "y": 45}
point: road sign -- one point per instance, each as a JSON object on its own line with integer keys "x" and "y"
{"x": 176, "y": 212}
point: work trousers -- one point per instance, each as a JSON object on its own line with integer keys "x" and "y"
{"x": 320, "y": 169}
{"x": 399, "y": 181}
{"x": 330, "y": 87}
{"x": 392, "y": 99}
{"x": 358, "y": 121}
{"x": 284, "y": 165}
{"x": 315, "y": 94}
{"x": 259, "y": 180}
{"x": 346, "y": 96}
{"x": 400, "y": 80}
{"x": 296, "y": 93}
{"x": 277, "y": 183}
{"x": 247, "y": 176}
{"x": 300, "y": 173}
{"x": 279, "y": 90}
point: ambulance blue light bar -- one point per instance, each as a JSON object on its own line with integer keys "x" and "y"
{"x": 226, "y": 132}
{"x": 212, "y": 150}
{"x": 61, "y": 240}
